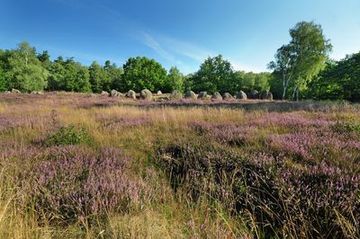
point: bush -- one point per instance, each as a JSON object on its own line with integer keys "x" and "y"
{"x": 275, "y": 194}
{"x": 69, "y": 135}
{"x": 72, "y": 183}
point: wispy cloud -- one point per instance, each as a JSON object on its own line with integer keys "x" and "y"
{"x": 173, "y": 50}
{"x": 187, "y": 49}
{"x": 155, "y": 45}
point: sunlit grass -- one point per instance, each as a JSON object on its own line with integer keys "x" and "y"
{"x": 140, "y": 132}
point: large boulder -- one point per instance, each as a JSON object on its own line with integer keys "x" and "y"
{"x": 227, "y": 96}
{"x": 131, "y": 94}
{"x": 203, "y": 95}
{"x": 254, "y": 94}
{"x": 115, "y": 93}
{"x": 15, "y": 91}
{"x": 241, "y": 95}
{"x": 37, "y": 93}
{"x": 104, "y": 93}
{"x": 216, "y": 96}
{"x": 146, "y": 94}
{"x": 266, "y": 95}
{"x": 176, "y": 95}
{"x": 190, "y": 95}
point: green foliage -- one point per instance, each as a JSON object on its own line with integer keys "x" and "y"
{"x": 214, "y": 75}
{"x": 68, "y": 135}
{"x": 113, "y": 78}
{"x": 339, "y": 81}
{"x": 69, "y": 76}
{"x": 250, "y": 81}
{"x": 96, "y": 77}
{"x": 302, "y": 59}
{"x": 25, "y": 70}
{"x": 347, "y": 127}
{"x": 174, "y": 81}
{"x": 143, "y": 73}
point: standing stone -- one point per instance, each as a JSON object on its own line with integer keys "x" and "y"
{"x": 190, "y": 95}
{"x": 227, "y": 96}
{"x": 176, "y": 95}
{"x": 104, "y": 93}
{"x": 266, "y": 95}
{"x": 15, "y": 91}
{"x": 146, "y": 94}
{"x": 115, "y": 93}
{"x": 131, "y": 94}
{"x": 254, "y": 94}
{"x": 217, "y": 96}
{"x": 202, "y": 95}
{"x": 241, "y": 95}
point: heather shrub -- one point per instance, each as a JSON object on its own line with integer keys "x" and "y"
{"x": 275, "y": 194}
{"x": 224, "y": 176}
{"x": 114, "y": 123}
{"x": 346, "y": 127}
{"x": 230, "y": 133}
{"x": 72, "y": 183}
{"x": 68, "y": 135}
{"x": 315, "y": 196}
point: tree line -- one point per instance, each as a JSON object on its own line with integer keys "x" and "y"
{"x": 301, "y": 69}
{"x": 27, "y": 70}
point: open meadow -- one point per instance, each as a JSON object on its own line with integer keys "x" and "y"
{"x": 92, "y": 166}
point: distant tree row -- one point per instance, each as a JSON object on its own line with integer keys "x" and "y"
{"x": 301, "y": 69}
{"x": 26, "y": 70}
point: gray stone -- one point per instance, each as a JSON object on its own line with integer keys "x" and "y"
{"x": 266, "y": 95}
{"x": 37, "y": 93}
{"x": 131, "y": 94}
{"x": 202, "y": 95}
{"x": 217, "y": 96}
{"x": 115, "y": 93}
{"x": 241, "y": 95}
{"x": 146, "y": 94}
{"x": 190, "y": 95}
{"x": 176, "y": 95}
{"x": 227, "y": 96}
{"x": 15, "y": 91}
{"x": 104, "y": 93}
{"x": 254, "y": 94}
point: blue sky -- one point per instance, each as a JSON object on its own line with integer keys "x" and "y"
{"x": 176, "y": 33}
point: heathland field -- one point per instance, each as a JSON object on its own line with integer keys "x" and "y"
{"x": 92, "y": 166}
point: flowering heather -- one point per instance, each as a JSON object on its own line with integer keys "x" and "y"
{"x": 311, "y": 143}
{"x": 72, "y": 183}
{"x": 198, "y": 169}
{"x": 8, "y": 122}
{"x": 274, "y": 195}
{"x": 316, "y": 192}
{"x": 225, "y": 133}
{"x": 120, "y": 122}
{"x": 290, "y": 120}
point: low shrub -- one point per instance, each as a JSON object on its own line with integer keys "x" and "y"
{"x": 72, "y": 183}
{"x": 281, "y": 198}
{"x": 68, "y": 135}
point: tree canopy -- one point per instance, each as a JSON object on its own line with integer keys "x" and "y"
{"x": 215, "y": 74}
{"x": 301, "y": 68}
{"x": 302, "y": 59}
{"x": 143, "y": 73}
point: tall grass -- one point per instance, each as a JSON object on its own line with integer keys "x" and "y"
{"x": 75, "y": 166}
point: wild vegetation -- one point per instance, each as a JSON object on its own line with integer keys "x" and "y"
{"x": 302, "y": 69}
{"x": 91, "y": 166}
{"x": 143, "y": 152}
